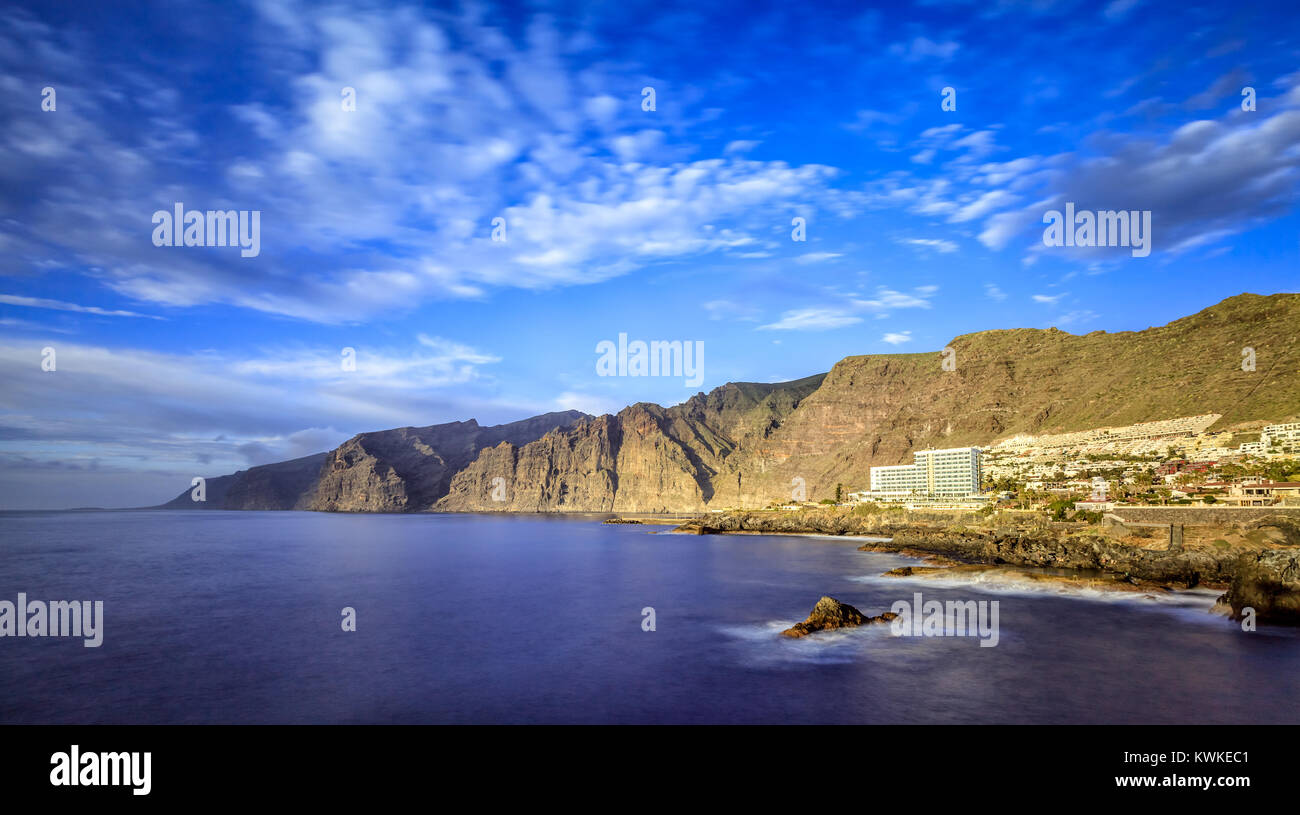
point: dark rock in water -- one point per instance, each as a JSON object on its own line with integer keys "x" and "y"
{"x": 621, "y": 521}
{"x": 831, "y": 613}
{"x": 1269, "y": 583}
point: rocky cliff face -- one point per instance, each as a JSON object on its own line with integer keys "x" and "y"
{"x": 410, "y": 468}
{"x": 1268, "y": 583}
{"x": 400, "y": 470}
{"x": 748, "y": 444}
{"x": 644, "y": 459}
{"x": 282, "y": 485}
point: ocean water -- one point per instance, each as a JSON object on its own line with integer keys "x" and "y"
{"x": 234, "y": 617}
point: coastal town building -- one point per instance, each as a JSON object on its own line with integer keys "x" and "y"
{"x": 1146, "y": 437}
{"x": 949, "y": 473}
{"x": 1258, "y": 493}
{"x": 1094, "y": 505}
{"x": 1173, "y": 462}
{"x": 1182, "y": 465}
{"x": 1285, "y": 437}
{"x": 1131, "y": 449}
{"x": 1275, "y": 438}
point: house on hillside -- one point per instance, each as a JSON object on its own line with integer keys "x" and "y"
{"x": 1258, "y": 493}
{"x": 1094, "y": 505}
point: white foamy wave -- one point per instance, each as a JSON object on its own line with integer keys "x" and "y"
{"x": 762, "y": 646}
{"x": 757, "y": 632}
{"x": 871, "y": 538}
{"x": 995, "y": 581}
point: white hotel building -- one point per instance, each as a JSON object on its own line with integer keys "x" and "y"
{"x": 951, "y": 473}
{"x": 1276, "y": 438}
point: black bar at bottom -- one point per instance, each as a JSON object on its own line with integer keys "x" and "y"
{"x": 332, "y": 764}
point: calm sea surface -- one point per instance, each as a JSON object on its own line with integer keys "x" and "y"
{"x": 235, "y": 617}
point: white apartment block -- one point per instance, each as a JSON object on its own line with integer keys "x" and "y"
{"x": 1137, "y": 438}
{"x": 1275, "y": 437}
{"x": 953, "y": 473}
{"x": 1281, "y": 435}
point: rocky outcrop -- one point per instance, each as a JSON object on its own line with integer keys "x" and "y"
{"x": 830, "y": 613}
{"x": 1282, "y": 528}
{"x": 1032, "y": 545}
{"x": 810, "y": 521}
{"x": 1269, "y": 583}
{"x": 1104, "y": 581}
{"x": 1045, "y": 548}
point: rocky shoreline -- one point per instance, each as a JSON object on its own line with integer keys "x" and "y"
{"x": 1265, "y": 578}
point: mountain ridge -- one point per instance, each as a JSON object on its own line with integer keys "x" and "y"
{"x": 745, "y": 444}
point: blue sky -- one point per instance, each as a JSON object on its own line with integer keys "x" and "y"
{"x": 670, "y": 224}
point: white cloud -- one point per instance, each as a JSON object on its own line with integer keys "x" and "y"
{"x": 449, "y": 363}
{"x": 943, "y": 246}
{"x": 1206, "y": 181}
{"x": 866, "y": 119}
{"x": 986, "y": 203}
{"x": 977, "y": 145}
{"x": 1079, "y": 316}
{"x": 602, "y": 108}
{"x": 887, "y": 298}
{"x": 816, "y": 257}
{"x": 587, "y": 403}
{"x": 997, "y": 174}
{"x": 1203, "y": 182}
{"x": 848, "y": 312}
{"x": 812, "y": 319}
{"x": 922, "y": 48}
{"x": 897, "y": 338}
{"x": 731, "y": 310}
{"x": 504, "y": 129}
{"x": 1000, "y": 229}
{"x": 59, "y": 305}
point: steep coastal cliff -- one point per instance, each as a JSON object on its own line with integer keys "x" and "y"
{"x": 400, "y": 470}
{"x": 644, "y": 459}
{"x": 744, "y": 444}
